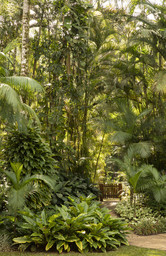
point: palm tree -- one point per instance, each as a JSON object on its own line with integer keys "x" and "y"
{"x": 129, "y": 166}
{"x": 128, "y": 130}
{"x": 19, "y": 186}
{"x": 25, "y": 37}
{"x": 152, "y": 183}
{"x": 12, "y": 107}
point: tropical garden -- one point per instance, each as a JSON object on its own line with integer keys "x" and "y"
{"x": 82, "y": 102}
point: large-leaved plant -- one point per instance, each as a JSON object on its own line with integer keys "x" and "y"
{"x": 83, "y": 226}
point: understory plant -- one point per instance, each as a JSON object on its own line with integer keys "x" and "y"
{"x": 28, "y": 148}
{"x": 20, "y": 187}
{"x": 72, "y": 185}
{"x": 142, "y": 219}
{"x": 83, "y": 226}
{"x": 5, "y": 242}
{"x": 150, "y": 226}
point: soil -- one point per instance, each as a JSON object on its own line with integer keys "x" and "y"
{"x": 151, "y": 242}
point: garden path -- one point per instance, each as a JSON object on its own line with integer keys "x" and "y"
{"x": 151, "y": 242}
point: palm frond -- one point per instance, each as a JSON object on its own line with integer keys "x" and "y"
{"x": 151, "y": 171}
{"x": 31, "y": 112}
{"x": 3, "y": 55}
{"x": 9, "y": 95}
{"x": 47, "y": 180}
{"x": 16, "y": 198}
{"x": 142, "y": 148}
{"x": 11, "y": 46}
{"x": 144, "y": 113}
{"x": 12, "y": 177}
{"x": 21, "y": 82}
{"x": 160, "y": 81}
{"x": 157, "y": 193}
{"x": 3, "y": 71}
{"x": 121, "y": 137}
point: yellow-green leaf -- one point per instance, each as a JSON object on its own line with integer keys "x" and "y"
{"x": 79, "y": 245}
{"x": 49, "y": 244}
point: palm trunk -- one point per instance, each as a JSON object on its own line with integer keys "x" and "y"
{"x": 38, "y": 40}
{"x": 25, "y": 39}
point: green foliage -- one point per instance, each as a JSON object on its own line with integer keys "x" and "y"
{"x": 152, "y": 183}
{"x": 29, "y": 149}
{"x": 3, "y": 196}
{"x": 5, "y": 243}
{"x": 149, "y": 226}
{"x": 19, "y": 186}
{"x": 72, "y": 185}
{"x": 83, "y": 226}
{"x": 132, "y": 213}
{"x": 12, "y": 108}
{"x": 142, "y": 219}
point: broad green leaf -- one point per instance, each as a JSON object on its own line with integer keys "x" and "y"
{"x": 66, "y": 246}
{"x": 134, "y": 180}
{"x": 50, "y": 244}
{"x": 17, "y": 168}
{"x": 43, "y": 217}
{"x": 79, "y": 245}
{"x": 53, "y": 217}
{"x": 22, "y": 240}
{"x": 59, "y": 245}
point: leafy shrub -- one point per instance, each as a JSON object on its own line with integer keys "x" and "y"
{"x": 29, "y": 149}
{"x": 133, "y": 213}
{"x": 156, "y": 206}
{"x": 142, "y": 219}
{"x": 150, "y": 226}
{"x": 83, "y": 226}
{"x": 75, "y": 186}
{"x": 3, "y": 196}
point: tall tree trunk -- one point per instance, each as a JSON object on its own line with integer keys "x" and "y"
{"x": 100, "y": 149}
{"x": 25, "y": 39}
{"x": 84, "y": 125}
{"x": 38, "y": 39}
{"x": 116, "y": 4}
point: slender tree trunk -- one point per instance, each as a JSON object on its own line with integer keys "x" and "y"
{"x": 116, "y": 4}
{"x": 38, "y": 40}
{"x": 84, "y": 125}
{"x": 101, "y": 145}
{"x": 25, "y": 39}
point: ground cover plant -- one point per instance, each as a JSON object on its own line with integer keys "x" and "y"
{"x": 83, "y": 227}
{"x": 142, "y": 219}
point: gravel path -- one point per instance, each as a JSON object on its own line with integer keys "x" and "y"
{"x": 151, "y": 242}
